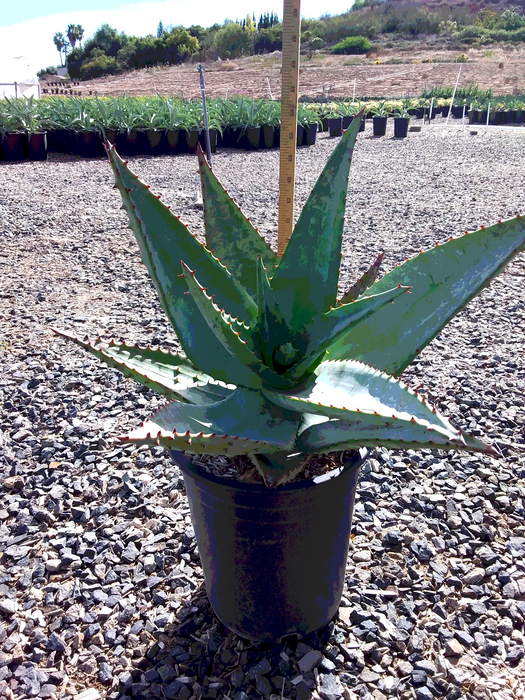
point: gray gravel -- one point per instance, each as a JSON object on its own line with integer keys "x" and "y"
{"x": 101, "y": 590}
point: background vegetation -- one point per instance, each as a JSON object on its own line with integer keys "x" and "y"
{"x": 381, "y": 22}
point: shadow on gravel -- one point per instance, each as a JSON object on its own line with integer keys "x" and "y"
{"x": 200, "y": 657}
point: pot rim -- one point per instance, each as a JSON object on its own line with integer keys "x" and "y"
{"x": 183, "y": 461}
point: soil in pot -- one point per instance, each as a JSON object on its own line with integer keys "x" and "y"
{"x": 335, "y": 127}
{"x": 380, "y": 126}
{"x": 37, "y": 146}
{"x": 274, "y": 559}
{"x": 401, "y": 127}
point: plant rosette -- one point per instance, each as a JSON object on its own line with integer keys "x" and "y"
{"x": 276, "y": 367}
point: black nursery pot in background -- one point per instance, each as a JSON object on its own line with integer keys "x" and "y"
{"x": 379, "y": 126}
{"x": 335, "y": 126}
{"x": 274, "y": 559}
{"x": 401, "y": 127}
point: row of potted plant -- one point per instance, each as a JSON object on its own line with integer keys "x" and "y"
{"x": 153, "y": 125}
{"x": 158, "y": 125}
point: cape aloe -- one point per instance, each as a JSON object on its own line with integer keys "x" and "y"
{"x": 274, "y": 365}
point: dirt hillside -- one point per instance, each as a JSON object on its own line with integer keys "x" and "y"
{"x": 503, "y": 71}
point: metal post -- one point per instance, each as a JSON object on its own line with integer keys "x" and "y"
{"x": 488, "y": 115}
{"x": 453, "y": 94}
{"x": 200, "y": 68}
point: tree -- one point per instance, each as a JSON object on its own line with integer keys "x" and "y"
{"x": 79, "y": 32}
{"x": 72, "y": 34}
{"x": 60, "y": 43}
{"x": 232, "y": 41}
{"x": 160, "y": 30}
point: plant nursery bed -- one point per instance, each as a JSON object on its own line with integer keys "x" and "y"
{"x": 102, "y": 590}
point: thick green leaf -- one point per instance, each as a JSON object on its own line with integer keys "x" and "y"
{"x": 327, "y": 435}
{"x": 272, "y": 330}
{"x": 443, "y": 281}
{"x": 243, "y": 423}
{"x": 229, "y": 234}
{"x": 164, "y": 241}
{"x": 331, "y": 325}
{"x": 306, "y": 280}
{"x": 363, "y": 282}
{"x": 250, "y": 371}
{"x": 353, "y": 391}
{"x": 168, "y": 373}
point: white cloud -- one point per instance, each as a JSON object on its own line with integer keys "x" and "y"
{"x": 34, "y": 38}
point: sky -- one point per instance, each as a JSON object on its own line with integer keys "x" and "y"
{"x": 25, "y": 31}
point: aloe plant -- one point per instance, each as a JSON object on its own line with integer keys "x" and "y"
{"x": 274, "y": 365}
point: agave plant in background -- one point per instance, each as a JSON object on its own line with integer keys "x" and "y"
{"x": 276, "y": 367}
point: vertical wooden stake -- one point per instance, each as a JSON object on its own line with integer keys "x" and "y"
{"x": 289, "y": 101}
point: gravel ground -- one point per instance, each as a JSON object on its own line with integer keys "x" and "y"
{"x": 101, "y": 590}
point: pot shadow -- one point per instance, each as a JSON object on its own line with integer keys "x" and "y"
{"x": 198, "y": 656}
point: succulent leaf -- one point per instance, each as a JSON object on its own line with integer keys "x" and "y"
{"x": 328, "y": 435}
{"x": 274, "y": 335}
{"x": 249, "y": 370}
{"x": 244, "y": 422}
{"x": 444, "y": 279}
{"x": 362, "y": 284}
{"x": 336, "y": 322}
{"x": 306, "y": 280}
{"x": 168, "y": 373}
{"x": 229, "y": 234}
{"x": 164, "y": 241}
{"x": 353, "y": 391}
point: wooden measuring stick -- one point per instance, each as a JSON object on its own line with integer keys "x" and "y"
{"x": 289, "y": 101}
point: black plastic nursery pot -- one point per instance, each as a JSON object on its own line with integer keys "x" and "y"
{"x": 310, "y": 134}
{"x": 519, "y": 117}
{"x": 252, "y": 138}
{"x": 130, "y": 143}
{"x": 86, "y": 144}
{"x": 301, "y": 135}
{"x": 154, "y": 144}
{"x": 274, "y": 560}
{"x": 335, "y": 127}
{"x": 174, "y": 141}
{"x": 37, "y": 146}
{"x": 14, "y": 146}
{"x": 401, "y": 127}
{"x": 192, "y": 140}
{"x": 266, "y": 136}
{"x": 379, "y": 126}
{"x": 213, "y": 140}
{"x": 347, "y": 120}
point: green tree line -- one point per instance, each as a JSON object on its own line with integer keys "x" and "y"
{"x": 109, "y": 51}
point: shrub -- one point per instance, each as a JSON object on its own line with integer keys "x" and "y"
{"x": 98, "y": 65}
{"x": 233, "y": 41}
{"x": 268, "y": 40}
{"x": 353, "y": 45}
